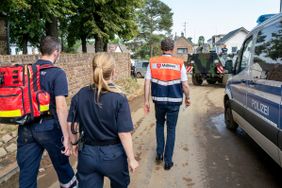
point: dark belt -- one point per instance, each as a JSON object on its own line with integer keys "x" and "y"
{"x": 101, "y": 143}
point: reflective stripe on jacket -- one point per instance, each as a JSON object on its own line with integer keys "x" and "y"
{"x": 166, "y": 80}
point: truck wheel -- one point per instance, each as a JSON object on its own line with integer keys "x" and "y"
{"x": 139, "y": 75}
{"x": 228, "y": 117}
{"x": 197, "y": 80}
{"x": 211, "y": 81}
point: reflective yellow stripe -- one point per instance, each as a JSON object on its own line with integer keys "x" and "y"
{"x": 44, "y": 108}
{"x": 11, "y": 113}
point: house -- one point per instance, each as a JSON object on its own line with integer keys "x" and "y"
{"x": 232, "y": 40}
{"x": 110, "y": 48}
{"x": 182, "y": 46}
{"x": 214, "y": 39}
{"x": 15, "y": 50}
{"x": 117, "y": 48}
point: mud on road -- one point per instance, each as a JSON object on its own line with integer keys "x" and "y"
{"x": 206, "y": 153}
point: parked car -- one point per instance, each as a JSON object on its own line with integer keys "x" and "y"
{"x": 141, "y": 67}
{"x": 253, "y": 96}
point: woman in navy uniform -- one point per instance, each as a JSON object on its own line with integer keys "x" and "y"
{"x": 103, "y": 115}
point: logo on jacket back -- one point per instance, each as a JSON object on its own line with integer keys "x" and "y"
{"x": 166, "y": 66}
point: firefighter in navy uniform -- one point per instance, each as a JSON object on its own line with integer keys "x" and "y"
{"x": 166, "y": 75}
{"x": 51, "y": 132}
{"x": 103, "y": 115}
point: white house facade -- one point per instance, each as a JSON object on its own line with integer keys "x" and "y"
{"x": 232, "y": 41}
{"x": 15, "y": 50}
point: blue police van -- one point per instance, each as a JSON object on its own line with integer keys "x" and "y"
{"x": 253, "y": 95}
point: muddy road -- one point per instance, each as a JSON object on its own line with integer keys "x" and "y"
{"x": 206, "y": 153}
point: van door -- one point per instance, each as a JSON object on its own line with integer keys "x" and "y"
{"x": 280, "y": 131}
{"x": 238, "y": 85}
{"x": 264, "y": 91}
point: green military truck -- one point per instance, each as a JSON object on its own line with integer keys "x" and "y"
{"x": 206, "y": 66}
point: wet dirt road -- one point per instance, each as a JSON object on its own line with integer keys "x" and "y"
{"x": 206, "y": 153}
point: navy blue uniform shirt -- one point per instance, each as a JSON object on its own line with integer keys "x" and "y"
{"x": 54, "y": 81}
{"x": 104, "y": 122}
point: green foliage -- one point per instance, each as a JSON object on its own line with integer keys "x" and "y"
{"x": 155, "y": 17}
{"x": 78, "y": 20}
{"x": 24, "y": 27}
{"x": 27, "y": 18}
{"x": 8, "y": 6}
{"x": 103, "y": 19}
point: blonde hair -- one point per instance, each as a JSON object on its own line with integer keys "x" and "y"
{"x": 103, "y": 67}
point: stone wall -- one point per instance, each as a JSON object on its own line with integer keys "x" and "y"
{"x": 78, "y": 68}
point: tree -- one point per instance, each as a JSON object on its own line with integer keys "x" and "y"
{"x": 30, "y": 20}
{"x": 155, "y": 17}
{"x": 11, "y": 6}
{"x": 24, "y": 28}
{"x": 103, "y": 20}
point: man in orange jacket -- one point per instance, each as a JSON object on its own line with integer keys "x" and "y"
{"x": 166, "y": 75}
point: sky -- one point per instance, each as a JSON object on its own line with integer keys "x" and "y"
{"x": 212, "y": 17}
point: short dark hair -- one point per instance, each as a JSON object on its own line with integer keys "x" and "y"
{"x": 49, "y": 44}
{"x": 167, "y": 44}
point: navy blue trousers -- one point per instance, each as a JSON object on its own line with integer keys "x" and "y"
{"x": 32, "y": 141}
{"x": 97, "y": 162}
{"x": 168, "y": 114}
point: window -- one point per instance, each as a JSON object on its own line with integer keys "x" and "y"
{"x": 182, "y": 50}
{"x": 145, "y": 64}
{"x": 245, "y": 56}
{"x": 268, "y": 53}
{"x": 234, "y": 49}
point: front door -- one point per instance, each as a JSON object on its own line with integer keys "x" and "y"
{"x": 239, "y": 84}
{"x": 264, "y": 90}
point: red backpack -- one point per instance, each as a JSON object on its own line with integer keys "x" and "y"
{"x": 21, "y": 98}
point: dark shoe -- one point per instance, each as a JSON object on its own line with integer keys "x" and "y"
{"x": 159, "y": 158}
{"x": 168, "y": 166}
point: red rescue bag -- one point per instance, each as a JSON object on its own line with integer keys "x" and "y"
{"x": 21, "y": 98}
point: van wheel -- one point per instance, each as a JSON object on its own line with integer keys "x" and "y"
{"x": 197, "y": 80}
{"x": 139, "y": 75}
{"x": 228, "y": 117}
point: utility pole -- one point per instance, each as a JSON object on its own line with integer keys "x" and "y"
{"x": 280, "y": 5}
{"x": 185, "y": 23}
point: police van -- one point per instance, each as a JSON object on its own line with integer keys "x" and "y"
{"x": 253, "y": 95}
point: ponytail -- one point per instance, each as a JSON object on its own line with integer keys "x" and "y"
{"x": 103, "y": 67}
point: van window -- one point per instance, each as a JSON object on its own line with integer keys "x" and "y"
{"x": 245, "y": 56}
{"x": 145, "y": 64}
{"x": 268, "y": 53}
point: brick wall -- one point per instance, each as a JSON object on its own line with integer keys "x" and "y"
{"x": 78, "y": 68}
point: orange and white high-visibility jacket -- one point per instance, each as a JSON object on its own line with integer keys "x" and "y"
{"x": 166, "y": 85}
